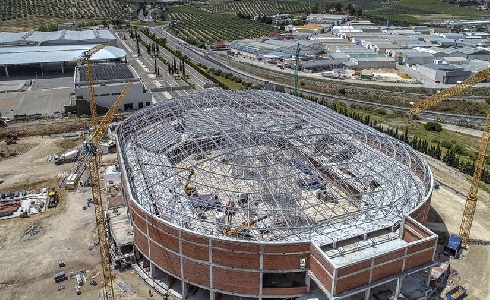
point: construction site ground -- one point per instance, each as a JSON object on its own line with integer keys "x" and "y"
{"x": 67, "y": 232}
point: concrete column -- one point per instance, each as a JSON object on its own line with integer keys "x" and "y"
{"x": 307, "y": 282}
{"x": 62, "y": 68}
{"x": 399, "y": 282}
{"x": 184, "y": 289}
{"x": 367, "y": 293}
{"x": 152, "y": 270}
{"x": 427, "y": 280}
{"x": 6, "y": 71}
{"x": 212, "y": 295}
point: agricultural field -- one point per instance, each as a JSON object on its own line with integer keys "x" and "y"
{"x": 417, "y": 11}
{"x": 259, "y": 8}
{"x": 28, "y": 14}
{"x": 198, "y": 27}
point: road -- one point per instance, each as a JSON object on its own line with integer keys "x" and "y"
{"x": 205, "y": 57}
{"x": 211, "y": 59}
{"x": 162, "y": 87}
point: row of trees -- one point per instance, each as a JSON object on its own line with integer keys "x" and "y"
{"x": 450, "y": 153}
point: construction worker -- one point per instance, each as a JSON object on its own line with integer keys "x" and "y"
{"x": 230, "y": 210}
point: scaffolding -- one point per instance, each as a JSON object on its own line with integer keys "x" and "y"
{"x": 268, "y": 167}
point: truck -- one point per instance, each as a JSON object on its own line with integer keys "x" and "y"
{"x": 70, "y": 156}
{"x": 457, "y": 293}
{"x": 453, "y": 247}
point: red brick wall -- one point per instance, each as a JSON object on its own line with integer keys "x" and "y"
{"x": 236, "y": 260}
{"x": 389, "y": 256}
{"x": 285, "y": 291}
{"x": 284, "y": 249}
{"x": 419, "y": 259}
{"x": 421, "y": 215}
{"x": 321, "y": 274}
{"x": 421, "y": 246}
{"x": 284, "y": 262}
{"x": 234, "y": 246}
{"x": 416, "y": 228}
{"x": 236, "y": 281}
{"x": 194, "y": 238}
{"x": 352, "y": 281}
{"x": 196, "y": 272}
{"x": 164, "y": 238}
{"x": 195, "y": 251}
{"x": 353, "y": 268}
{"x": 386, "y": 270}
{"x": 165, "y": 259}
{"x": 141, "y": 241}
{"x": 319, "y": 257}
{"x": 409, "y": 237}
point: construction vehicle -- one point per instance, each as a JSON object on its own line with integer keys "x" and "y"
{"x": 242, "y": 231}
{"x": 10, "y": 141}
{"x": 53, "y": 198}
{"x": 11, "y": 138}
{"x": 457, "y": 293}
{"x": 91, "y": 158}
{"x": 453, "y": 246}
{"x": 471, "y": 199}
{"x": 70, "y": 156}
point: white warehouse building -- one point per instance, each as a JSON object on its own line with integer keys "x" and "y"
{"x": 109, "y": 81}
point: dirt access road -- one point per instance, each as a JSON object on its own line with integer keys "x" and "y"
{"x": 447, "y": 210}
{"x": 30, "y": 262}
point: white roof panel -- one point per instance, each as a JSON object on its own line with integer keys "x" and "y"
{"x": 49, "y": 54}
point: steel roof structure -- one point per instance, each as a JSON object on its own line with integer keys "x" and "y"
{"x": 23, "y": 55}
{"x": 298, "y": 169}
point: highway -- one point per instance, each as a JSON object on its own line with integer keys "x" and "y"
{"x": 145, "y": 65}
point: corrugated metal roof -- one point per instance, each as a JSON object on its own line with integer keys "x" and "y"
{"x": 38, "y": 36}
{"x": 50, "y": 54}
{"x": 9, "y": 37}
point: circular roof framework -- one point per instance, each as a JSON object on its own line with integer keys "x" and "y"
{"x": 267, "y": 166}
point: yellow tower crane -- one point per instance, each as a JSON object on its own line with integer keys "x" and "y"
{"x": 91, "y": 159}
{"x": 471, "y": 199}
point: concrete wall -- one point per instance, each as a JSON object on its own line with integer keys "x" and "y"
{"x": 107, "y": 95}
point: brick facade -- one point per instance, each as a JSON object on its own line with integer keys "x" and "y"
{"x": 235, "y": 266}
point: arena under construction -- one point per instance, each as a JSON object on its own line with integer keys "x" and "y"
{"x": 260, "y": 194}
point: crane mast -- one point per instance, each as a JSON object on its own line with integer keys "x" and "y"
{"x": 92, "y": 158}
{"x": 471, "y": 199}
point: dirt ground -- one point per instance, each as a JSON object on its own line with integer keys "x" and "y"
{"x": 30, "y": 262}
{"x": 67, "y": 234}
{"x": 447, "y": 211}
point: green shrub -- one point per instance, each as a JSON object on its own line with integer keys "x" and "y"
{"x": 433, "y": 126}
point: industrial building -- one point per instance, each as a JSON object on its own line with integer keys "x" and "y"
{"x": 40, "y": 53}
{"x": 109, "y": 81}
{"x": 444, "y": 73}
{"x": 258, "y": 194}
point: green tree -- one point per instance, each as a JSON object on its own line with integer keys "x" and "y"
{"x": 433, "y": 126}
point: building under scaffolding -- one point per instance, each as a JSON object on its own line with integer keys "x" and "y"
{"x": 267, "y": 195}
